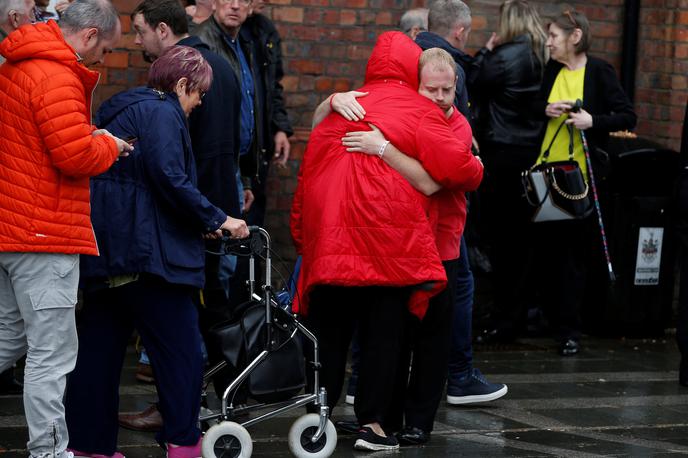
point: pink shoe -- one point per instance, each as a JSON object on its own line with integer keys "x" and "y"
{"x": 185, "y": 451}
{"x": 78, "y": 454}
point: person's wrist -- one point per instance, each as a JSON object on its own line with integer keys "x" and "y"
{"x": 332, "y": 100}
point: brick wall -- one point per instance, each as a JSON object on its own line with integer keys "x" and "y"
{"x": 326, "y": 44}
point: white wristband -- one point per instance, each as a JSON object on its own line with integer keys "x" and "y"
{"x": 381, "y": 151}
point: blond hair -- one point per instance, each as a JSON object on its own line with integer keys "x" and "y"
{"x": 438, "y": 58}
{"x": 518, "y": 17}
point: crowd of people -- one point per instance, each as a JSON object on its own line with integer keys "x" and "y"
{"x": 122, "y": 204}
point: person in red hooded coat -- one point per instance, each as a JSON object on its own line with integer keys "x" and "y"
{"x": 368, "y": 248}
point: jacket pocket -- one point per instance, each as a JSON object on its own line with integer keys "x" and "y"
{"x": 182, "y": 248}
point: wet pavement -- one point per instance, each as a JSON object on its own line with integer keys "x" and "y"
{"x": 616, "y": 398}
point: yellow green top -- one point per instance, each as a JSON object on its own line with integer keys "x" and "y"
{"x": 567, "y": 86}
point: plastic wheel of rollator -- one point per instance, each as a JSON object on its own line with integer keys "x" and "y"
{"x": 301, "y": 435}
{"x": 227, "y": 440}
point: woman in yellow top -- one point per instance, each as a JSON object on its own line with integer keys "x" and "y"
{"x": 570, "y": 75}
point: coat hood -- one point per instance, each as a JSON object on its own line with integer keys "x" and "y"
{"x": 38, "y": 41}
{"x": 394, "y": 57}
{"x": 119, "y": 102}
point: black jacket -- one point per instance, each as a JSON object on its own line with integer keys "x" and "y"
{"x": 267, "y": 48}
{"x": 215, "y": 145}
{"x": 507, "y": 79}
{"x": 211, "y": 33}
{"x": 603, "y": 98}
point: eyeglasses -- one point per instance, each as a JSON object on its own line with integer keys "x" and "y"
{"x": 571, "y": 18}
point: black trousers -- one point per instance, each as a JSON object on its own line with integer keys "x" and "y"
{"x": 506, "y": 227}
{"x": 167, "y": 321}
{"x": 426, "y": 350}
{"x": 380, "y": 314}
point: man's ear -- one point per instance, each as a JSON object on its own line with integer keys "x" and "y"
{"x": 163, "y": 30}
{"x": 90, "y": 36}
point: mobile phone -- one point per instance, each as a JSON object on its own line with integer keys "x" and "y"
{"x": 131, "y": 139}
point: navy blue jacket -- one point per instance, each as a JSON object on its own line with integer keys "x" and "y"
{"x": 147, "y": 213}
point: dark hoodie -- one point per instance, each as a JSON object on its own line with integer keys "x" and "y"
{"x": 355, "y": 220}
{"x": 147, "y": 213}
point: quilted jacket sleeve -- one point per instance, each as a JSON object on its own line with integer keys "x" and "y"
{"x": 446, "y": 158}
{"x": 59, "y": 106}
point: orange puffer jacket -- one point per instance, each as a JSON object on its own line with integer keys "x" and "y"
{"x": 47, "y": 150}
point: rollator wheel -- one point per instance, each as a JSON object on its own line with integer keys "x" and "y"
{"x": 303, "y": 430}
{"x": 227, "y": 440}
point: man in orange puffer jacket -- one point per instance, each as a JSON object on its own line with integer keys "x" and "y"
{"x": 48, "y": 150}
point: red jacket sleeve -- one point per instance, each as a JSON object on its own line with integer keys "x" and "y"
{"x": 446, "y": 155}
{"x": 59, "y": 106}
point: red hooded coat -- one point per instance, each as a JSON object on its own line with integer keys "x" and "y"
{"x": 355, "y": 220}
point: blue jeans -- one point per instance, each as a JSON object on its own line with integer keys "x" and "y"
{"x": 461, "y": 350}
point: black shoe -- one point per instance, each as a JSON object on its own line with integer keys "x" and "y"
{"x": 683, "y": 372}
{"x": 9, "y": 384}
{"x": 369, "y": 441}
{"x": 412, "y": 436}
{"x": 348, "y": 427}
{"x": 569, "y": 347}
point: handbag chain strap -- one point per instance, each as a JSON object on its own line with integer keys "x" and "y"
{"x": 565, "y": 194}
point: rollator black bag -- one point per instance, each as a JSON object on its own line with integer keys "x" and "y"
{"x": 282, "y": 374}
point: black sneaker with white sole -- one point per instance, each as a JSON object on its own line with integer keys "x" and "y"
{"x": 369, "y": 441}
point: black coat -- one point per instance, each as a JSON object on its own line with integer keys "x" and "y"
{"x": 267, "y": 47}
{"x": 214, "y": 138}
{"x": 212, "y": 34}
{"x": 507, "y": 79}
{"x": 603, "y": 98}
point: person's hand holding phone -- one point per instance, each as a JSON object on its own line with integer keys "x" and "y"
{"x": 123, "y": 146}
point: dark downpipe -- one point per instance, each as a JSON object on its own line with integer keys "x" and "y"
{"x": 629, "y": 50}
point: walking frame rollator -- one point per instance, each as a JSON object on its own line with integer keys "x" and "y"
{"x": 312, "y": 435}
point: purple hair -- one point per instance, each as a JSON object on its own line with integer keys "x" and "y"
{"x": 180, "y": 62}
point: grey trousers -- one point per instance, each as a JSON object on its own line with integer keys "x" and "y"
{"x": 37, "y": 297}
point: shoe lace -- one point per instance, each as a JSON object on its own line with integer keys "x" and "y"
{"x": 480, "y": 377}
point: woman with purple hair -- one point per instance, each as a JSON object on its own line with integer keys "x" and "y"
{"x": 150, "y": 221}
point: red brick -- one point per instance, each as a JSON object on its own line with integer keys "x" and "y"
{"x": 117, "y": 59}
{"x": 347, "y": 17}
{"x": 125, "y": 20}
{"x": 384, "y": 18}
{"x": 290, "y": 82}
{"x": 288, "y": 14}
{"x": 350, "y": 3}
{"x": 304, "y": 66}
{"x": 323, "y": 84}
